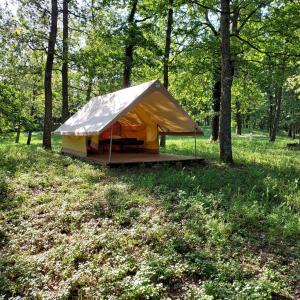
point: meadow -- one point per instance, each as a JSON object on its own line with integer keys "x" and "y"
{"x": 73, "y": 230}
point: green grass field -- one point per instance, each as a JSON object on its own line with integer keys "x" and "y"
{"x": 73, "y": 230}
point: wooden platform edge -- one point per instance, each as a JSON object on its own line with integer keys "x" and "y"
{"x": 178, "y": 162}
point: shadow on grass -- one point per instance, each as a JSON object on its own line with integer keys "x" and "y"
{"x": 248, "y": 210}
{"x": 260, "y": 203}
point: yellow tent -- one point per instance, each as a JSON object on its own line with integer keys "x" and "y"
{"x": 143, "y": 112}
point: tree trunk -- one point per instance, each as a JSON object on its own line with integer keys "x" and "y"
{"x": 48, "y": 76}
{"x": 29, "y": 137}
{"x": 278, "y": 98}
{"x": 168, "y": 44}
{"x": 238, "y": 118}
{"x": 31, "y": 126}
{"x": 270, "y": 119}
{"x": 18, "y": 134}
{"x": 130, "y": 43}
{"x": 162, "y": 142}
{"x": 226, "y": 82}
{"x": 247, "y": 121}
{"x": 167, "y": 56}
{"x": 290, "y": 131}
{"x": 89, "y": 90}
{"x": 65, "y": 54}
{"x": 215, "y": 121}
{"x": 293, "y": 116}
{"x": 93, "y": 11}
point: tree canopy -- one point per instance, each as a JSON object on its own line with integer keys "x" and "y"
{"x": 110, "y": 40}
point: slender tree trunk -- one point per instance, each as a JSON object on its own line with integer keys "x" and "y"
{"x": 226, "y": 82}
{"x": 93, "y": 10}
{"x": 167, "y": 56}
{"x": 64, "y": 72}
{"x": 89, "y": 90}
{"x": 248, "y": 121}
{"x": 129, "y": 48}
{"x": 207, "y": 121}
{"x": 168, "y": 44}
{"x": 238, "y": 117}
{"x": 290, "y": 131}
{"x": 270, "y": 112}
{"x": 18, "y": 134}
{"x": 278, "y": 98}
{"x": 293, "y": 116}
{"x": 29, "y": 137}
{"x": 48, "y": 76}
{"x": 215, "y": 121}
{"x": 128, "y": 65}
{"x": 31, "y": 114}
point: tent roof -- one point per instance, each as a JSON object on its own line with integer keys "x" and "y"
{"x": 149, "y": 102}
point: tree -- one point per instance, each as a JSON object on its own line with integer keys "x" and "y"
{"x": 238, "y": 117}
{"x": 65, "y": 54}
{"x": 226, "y": 82}
{"x": 48, "y": 76}
{"x": 216, "y": 102}
{"x": 167, "y": 56}
{"x": 129, "y": 45}
{"x": 168, "y": 44}
{"x": 278, "y": 100}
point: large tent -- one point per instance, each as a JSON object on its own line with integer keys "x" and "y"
{"x": 143, "y": 112}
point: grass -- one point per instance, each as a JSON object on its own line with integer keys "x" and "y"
{"x": 72, "y": 230}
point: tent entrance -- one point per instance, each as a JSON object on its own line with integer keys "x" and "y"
{"x": 124, "y": 137}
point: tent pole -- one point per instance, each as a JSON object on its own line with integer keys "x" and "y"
{"x": 110, "y": 143}
{"x": 195, "y": 138}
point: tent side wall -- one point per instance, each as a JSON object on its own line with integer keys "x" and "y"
{"x": 75, "y": 145}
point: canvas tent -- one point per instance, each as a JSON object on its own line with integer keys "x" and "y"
{"x": 143, "y": 112}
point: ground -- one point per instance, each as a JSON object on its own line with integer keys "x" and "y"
{"x": 70, "y": 229}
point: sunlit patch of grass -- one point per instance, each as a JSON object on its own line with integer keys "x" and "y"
{"x": 72, "y": 229}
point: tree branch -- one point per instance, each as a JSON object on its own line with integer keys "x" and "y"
{"x": 250, "y": 15}
{"x": 210, "y": 25}
{"x": 77, "y": 16}
{"x": 205, "y": 6}
{"x": 144, "y": 19}
{"x": 246, "y": 20}
{"x": 235, "y": 18}
{"x": 78, "y": 30}
{"x": 250, "y": 44}
{"x": 37, "y": 48}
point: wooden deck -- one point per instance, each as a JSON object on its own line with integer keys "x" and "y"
{"x": 141, "y": 158}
